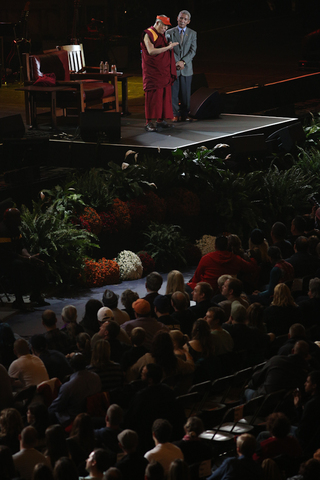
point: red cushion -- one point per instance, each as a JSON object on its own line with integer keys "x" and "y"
{"x": 98, "y": 90}
{"x": 56, "y": 62}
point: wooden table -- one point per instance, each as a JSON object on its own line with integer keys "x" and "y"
{"x": 31, "y": 93}
{"x": 122, "y": 77}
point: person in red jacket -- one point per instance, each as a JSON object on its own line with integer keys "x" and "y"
{"x": 220, "y": 262}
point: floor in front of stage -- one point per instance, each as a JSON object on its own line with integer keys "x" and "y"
{"x": 27, "y": 324}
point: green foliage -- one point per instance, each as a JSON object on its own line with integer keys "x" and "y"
{"x": 127, "y": 183}
{"x": 93, "y": 186}
{"x": 65, "y": 199}
{"x": 60, "y": 244}
{"x": 309, "y": 163}
{"x": 313, "y": 132}
{"x": 283, "y": 193}
{"x": 166, "y": 245}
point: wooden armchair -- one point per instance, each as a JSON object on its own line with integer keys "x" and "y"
{"x": 72, "y": 95}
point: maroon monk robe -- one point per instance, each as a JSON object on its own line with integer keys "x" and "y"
{"x": 159, "y": 73}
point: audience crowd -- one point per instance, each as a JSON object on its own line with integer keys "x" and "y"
{"x": 103, "y": 398}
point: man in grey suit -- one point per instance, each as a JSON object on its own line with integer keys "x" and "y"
{"x": 183, "y": 53}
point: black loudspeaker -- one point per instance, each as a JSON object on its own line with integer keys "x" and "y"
{"x": 97, "y": 125}
{"x": 205, "y": 103}
{"x": 284, "y": 140}
{"x": 11, "y": 127}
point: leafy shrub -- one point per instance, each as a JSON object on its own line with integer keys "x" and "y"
{"x": 166, "y": 245}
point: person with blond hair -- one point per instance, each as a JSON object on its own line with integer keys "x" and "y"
{"x": 283, "y": 311}
{"x": 110, "y": 373}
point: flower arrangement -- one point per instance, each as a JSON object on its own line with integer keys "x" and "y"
{"x": 91, "y": 217}
{"x": 182, "y": 203}
{"x": 102, "y": 272}
{"x": 147, "y": 261}
{"x": 109, "y": 222}
{"x": 206, "y": 244}
{"x": 138, "y": 213}
{"x": 156, "y": 207}
{"x": 130, "y": 265}
{"x": 122, "y": 214}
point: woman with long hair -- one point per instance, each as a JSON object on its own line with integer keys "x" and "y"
{"x": 11, "y": 426}
{"x": 81, "y": 441}
{"x": 162, "y": 353}
{"x": 56, "y": 443}
{"x": 201, "y": 345}
{"x": 179, "y": 340}
{"x": 110, "y": 373}
{"x": 89, "y": 321}
{"x": 175, "y": 283}
{"x": 283, "y": 311}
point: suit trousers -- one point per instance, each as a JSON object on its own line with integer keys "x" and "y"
{"x": 181, "y": 90}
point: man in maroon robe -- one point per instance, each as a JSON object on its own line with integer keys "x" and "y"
{"x": 159, "y": 73}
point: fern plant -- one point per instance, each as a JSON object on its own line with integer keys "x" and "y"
{"x": 166, "y": 245}
{"x": 61, "y": 245}
{"x": 94, "y": 188}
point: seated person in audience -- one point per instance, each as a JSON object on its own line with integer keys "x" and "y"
{"x": 97, "y": 463}
{"x": 154, "y": 471}
{"x": 298, "y": 228}
{"x": 110, "y": 373}
{"x": 89, "y": 321}
{"x": 110, "y": 300}
{"x": 145, "y": 320}
{"x": 6, "y": 396}
{"x": 7, "y": 340}
{"x": 56, "y": 340}
{"x": 283, "y": 311}
{"x": 28, "y": 369}
{"x": 308, "y": 413}
{"x": 281, "y": 372}
{"x": 164, "y": 452}
{"x": 133, "y": 464}
{"x": 277, "y": 440}
{"x": 11, "y": 426}
{"x": 138, "y": 349}
{"x": 127, "y": 299}
{"x": 7, "y": 465}
{"x": 298, "y": 332}
{"x": 71, "y": 327}
{"x": 21, "y": 268}
{"x": 175, "y": 283}
{"x": 28, "y": 457}
{"x": 232, "y": 290}
{"x": 302, "y": 261}
{"x": 202, "y": 295}
{"x": 81, "y": 441}
{"x": 162, "y": 354}
{"x": 255, "y": 316}
{"x": 193, "y": 448}
{"x": 55, "y": 362}
{"x": 310, "y": 308}
{"x": 281, "y": 272}
{"x": 258, "y": 249}
{"x": 179, "y": 340}
{"x": 201, "y": 345}
{"x": 83, "y": 345}
{"x": 182, "y": 315}
{"x": 107, "y": 437}
{"x": 219, "y": 262}
{"x": 242, "y": 466}
{"x": 105, "y": 314}
{"x": 279, "y": 239}
{"x": 110, "y": 331}
{"x": 222, "y": 340}
{"x": 251, "y": 340}
{"x": 71, "y": 399}
{"x": 155, "y": 400}
{"x": 153, "y": 284}
{"x": 162, "y": 308}
{"x": 216, "y": 299}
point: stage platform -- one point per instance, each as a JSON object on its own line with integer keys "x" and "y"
{"x": 182, "y": 135}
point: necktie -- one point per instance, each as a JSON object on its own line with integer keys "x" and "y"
{"x": 181, "y": 37}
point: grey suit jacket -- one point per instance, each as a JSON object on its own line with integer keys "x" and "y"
{"x": 187, "y": 51}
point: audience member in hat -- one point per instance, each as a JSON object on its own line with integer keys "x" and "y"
{"x": 133, "y": 464}
{"x": 110, "y": 300}
{"x": 143, "y": 319}
{"x": 158, "y": 73}
{"x": 105, "y": 314}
